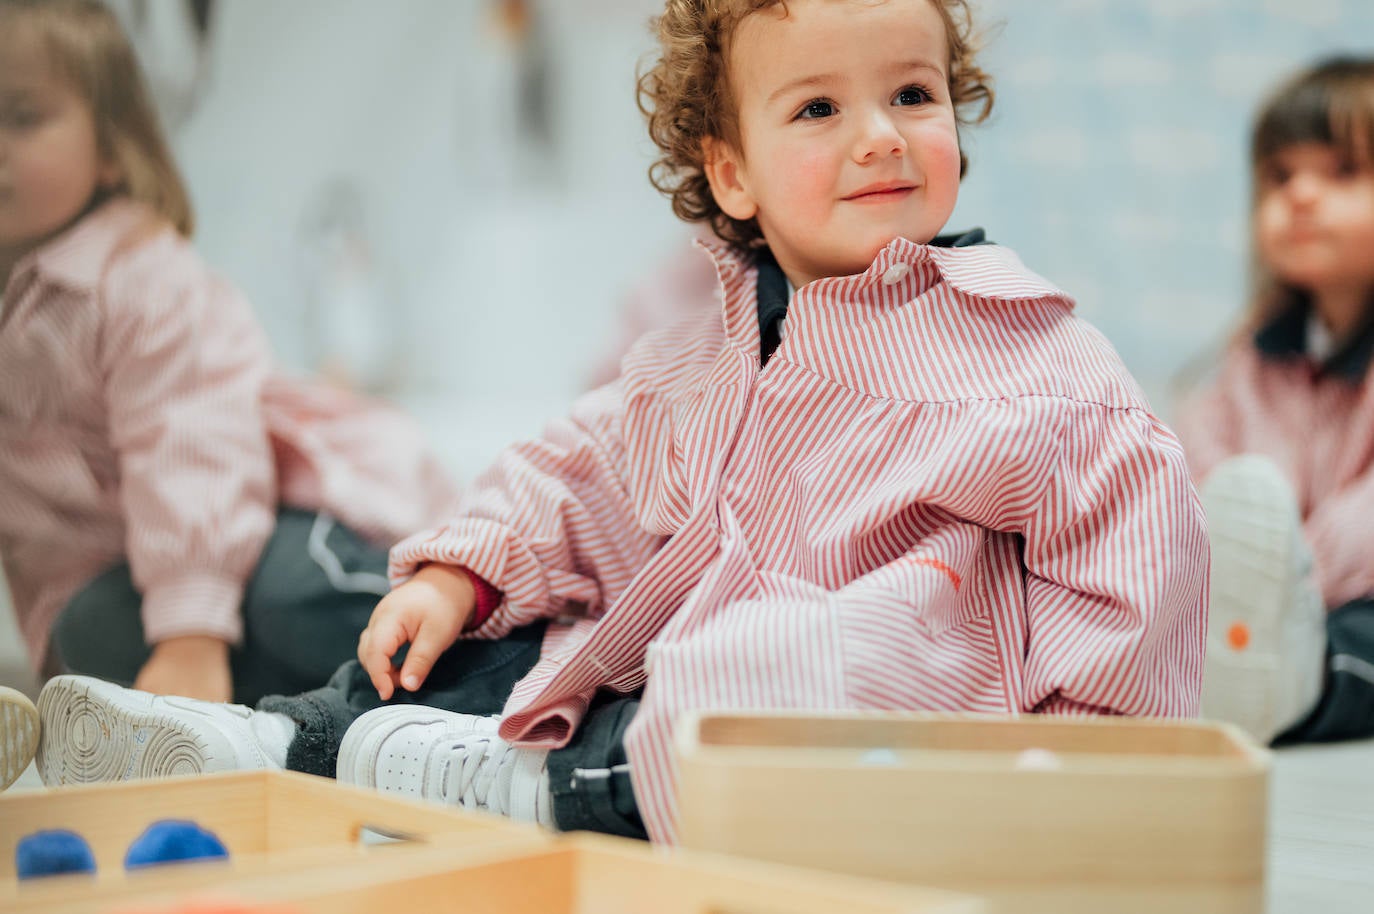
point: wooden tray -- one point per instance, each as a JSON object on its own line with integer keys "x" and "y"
{"x": 584, "y": 874}
{"x": 270, "y": 822}
{"x": 1035, "y": 814}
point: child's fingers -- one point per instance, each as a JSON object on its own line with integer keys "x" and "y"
{"x": 378, "y": 644}
{"x": 429, "y": 642}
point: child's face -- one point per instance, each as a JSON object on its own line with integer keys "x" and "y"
{"x": 50, "y": 164}
{"x": 847, "y": 131}
{"x": 1314, "y": 220}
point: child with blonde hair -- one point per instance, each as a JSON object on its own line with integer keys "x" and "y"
{"x": 891, "y": 470}
{"x": 168, "y": 499}
{"x": 1282, "y": 439}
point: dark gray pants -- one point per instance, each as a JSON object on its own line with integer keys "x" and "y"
{"x": 309, "y": 599}
{"x": 589, "y": 778}
{"x": 1346, "y": 708}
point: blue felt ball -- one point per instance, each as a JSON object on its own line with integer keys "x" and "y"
{"x": 51, "y": 853}
{"x": 173, "y": 840}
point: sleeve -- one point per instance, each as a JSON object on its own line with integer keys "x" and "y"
{"x": 550, "y": 525}
{"x": 184, "y": 364}
{"x": 1117, "y": 564}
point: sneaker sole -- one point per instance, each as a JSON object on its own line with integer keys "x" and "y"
{"x": 92, "y": 734}
{"x": 1251, "y": 588}
{"x": 19, "y": 729}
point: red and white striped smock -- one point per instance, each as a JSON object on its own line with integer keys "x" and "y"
{"x": 942, "y": 492}
{"x": 1318, "y": 427}
{"x": 141, "y": 418}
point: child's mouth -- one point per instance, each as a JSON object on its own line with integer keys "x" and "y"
{"x": 881, "y": 193}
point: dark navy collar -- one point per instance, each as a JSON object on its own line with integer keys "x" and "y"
{"x": 1286, "y": 337}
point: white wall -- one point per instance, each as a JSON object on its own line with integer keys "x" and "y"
{"x": 1115, "y": 164}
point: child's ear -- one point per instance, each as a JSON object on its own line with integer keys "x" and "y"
{"x": 725, "y": 173}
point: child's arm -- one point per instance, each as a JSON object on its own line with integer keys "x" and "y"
{"x": 1116, "y": 573}
{"x": 550, "y": 527}
{"x": 183, "y": 362}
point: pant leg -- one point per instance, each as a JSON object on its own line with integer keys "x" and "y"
{"x": 472, "y": 677}
{"x": 100, "y": 631}
{"x": 314, "y": 588}
{"x": 1346, "y": 707}
{"x": 590, "y": 777}
{"x": 310, "y": 597}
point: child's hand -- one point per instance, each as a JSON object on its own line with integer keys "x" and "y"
{"x": 427, "y": 612}
{"x": 193, "y": 666}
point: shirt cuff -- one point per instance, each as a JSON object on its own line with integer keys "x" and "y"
{"x": 488, "y": 598}
{"x": 194, "y": 604}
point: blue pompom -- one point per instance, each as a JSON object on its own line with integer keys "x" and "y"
{"x": 51, "y": 853}
{"x": 173, "y": 840}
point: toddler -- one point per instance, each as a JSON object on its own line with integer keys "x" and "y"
{"x": 174, "y": 513}
{"x": 891, "y": 470}
{"x": 1283, "y": 438}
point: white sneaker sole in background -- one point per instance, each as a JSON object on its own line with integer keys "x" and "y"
{"x": 1266, "y": 635}
{"x": 97, "y": 731}
{"x": 19, "y": 729}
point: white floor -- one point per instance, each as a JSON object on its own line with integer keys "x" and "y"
{"x": 1321, "y": 823}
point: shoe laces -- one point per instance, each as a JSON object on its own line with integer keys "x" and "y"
{"x": 478, "y": 773}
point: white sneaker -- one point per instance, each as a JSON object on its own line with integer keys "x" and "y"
{"x": 1266, "y": 638}
{"x": 97, "y": 731}
{"x": 19, "y": 725}
{"x": 449, "y": 758}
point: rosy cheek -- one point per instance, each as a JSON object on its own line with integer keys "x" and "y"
{"x": 941, "y": 155}
{"x": 807, "y": 179}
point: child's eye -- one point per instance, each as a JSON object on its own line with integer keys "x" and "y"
{"x": 818, "y": 108}
{"x": 1272, "y": 175}
{"x": 1347, "y": 168}
{"x": 19, "y": 118}
{"x": 913, "y": 95}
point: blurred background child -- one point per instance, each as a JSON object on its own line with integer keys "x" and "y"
{"x": 168, "y": 500}
{"x": 1283, "y": 438}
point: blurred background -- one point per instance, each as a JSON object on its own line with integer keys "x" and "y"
{"x": 445, "y": 201}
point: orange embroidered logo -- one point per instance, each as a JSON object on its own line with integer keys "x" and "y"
{"x": 940, "y": 567}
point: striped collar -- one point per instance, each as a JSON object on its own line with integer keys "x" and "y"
{"x": 78, "y": 257}
{"x": 979, "y": 270}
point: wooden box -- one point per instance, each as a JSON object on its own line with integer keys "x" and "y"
{"x": 583, "y": 874}
{"x": 1034, "y": 814}
{"x": 270, "y": 822}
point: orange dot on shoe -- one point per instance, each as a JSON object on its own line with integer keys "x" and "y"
{"x": 1238, "y": 636}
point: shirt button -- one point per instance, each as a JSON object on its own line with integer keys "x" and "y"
{"x": 895, "y": 274}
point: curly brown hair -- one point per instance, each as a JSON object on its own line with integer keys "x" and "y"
{"x": 687, "y": 99}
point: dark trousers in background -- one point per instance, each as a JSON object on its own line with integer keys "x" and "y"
{"x": 309, "y": 599}
{"x": 1346, "y": 708}
{"x": 589, "y": 778}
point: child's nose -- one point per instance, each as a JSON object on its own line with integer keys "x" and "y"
{"x": 1303, "y": 188}
{"x": 878, "y": 138}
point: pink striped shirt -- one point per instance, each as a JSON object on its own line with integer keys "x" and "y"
{"x": 943, "y": 492}
{"x": 1319, "y": 428}
{"x": 141, "y": 418}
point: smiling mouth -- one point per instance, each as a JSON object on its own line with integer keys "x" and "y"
{"x": 881, "y": 193}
